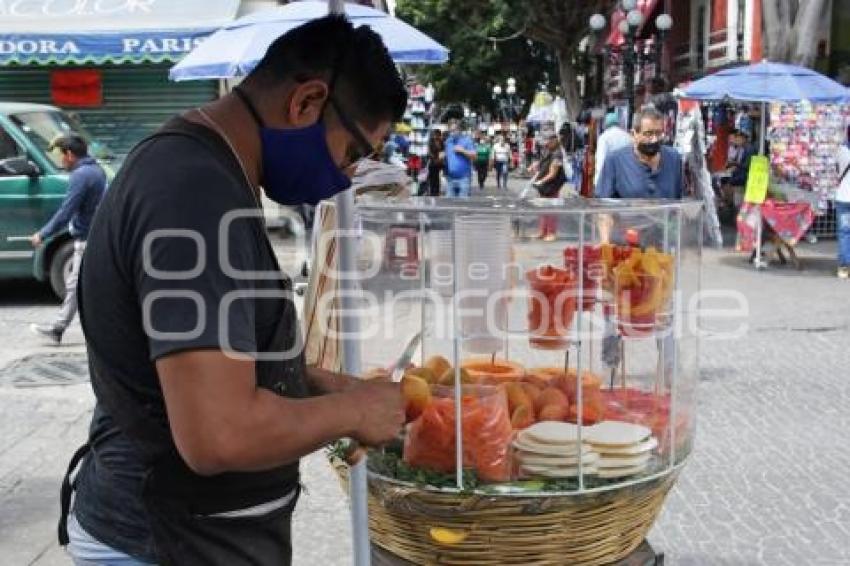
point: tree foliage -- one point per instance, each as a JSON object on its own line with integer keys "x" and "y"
{"x": 485, "y": 50}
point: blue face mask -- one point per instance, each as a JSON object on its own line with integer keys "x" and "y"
{"x": 297, "y": 165}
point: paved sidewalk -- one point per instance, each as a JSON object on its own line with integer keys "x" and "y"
{"x": 766, "y": 483}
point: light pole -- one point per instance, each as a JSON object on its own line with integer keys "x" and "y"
{"x": 633, "y": 56}
{"x": 506, "y": 100}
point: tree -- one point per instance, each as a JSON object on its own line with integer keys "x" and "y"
{"x": 561, "y": 25}
{"x": 552, "y": 29}
{"x": 792, "y": 29}
{"x": 485, "y": 50}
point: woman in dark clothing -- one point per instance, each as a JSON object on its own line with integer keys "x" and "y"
{"x": 436, "y": 153}
{"x": 548, "y": 181}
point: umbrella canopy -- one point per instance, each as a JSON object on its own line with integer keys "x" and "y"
{"x": 236, "y": 48}
{"x": 767, "y": 82}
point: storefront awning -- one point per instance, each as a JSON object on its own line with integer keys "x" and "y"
{"x": 76, "y": 32}
{"x": 646, "y": 7}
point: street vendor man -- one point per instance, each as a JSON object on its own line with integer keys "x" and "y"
{"x": 647, "y": 169}
{"x": 204, "y": 404}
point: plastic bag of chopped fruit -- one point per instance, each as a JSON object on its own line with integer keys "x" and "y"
{"x": 431, "y": 439}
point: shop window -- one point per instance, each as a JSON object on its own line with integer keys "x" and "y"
{"x": 82, "y": 88}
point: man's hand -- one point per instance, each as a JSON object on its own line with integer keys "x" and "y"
{"x": 35, "y": 240}
{"x": 381, "y": 408}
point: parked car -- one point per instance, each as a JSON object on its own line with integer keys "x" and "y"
{"x": 32, "y": 186}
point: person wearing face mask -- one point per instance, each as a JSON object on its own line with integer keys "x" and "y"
{"x": 741, "y": 151}
{"x": 460, "y": 154}
{"x": 647, "y": 169}
{"x": 204, "y": 405}
{"x": 548, "y": 182}
{"x": 501, "y": 162}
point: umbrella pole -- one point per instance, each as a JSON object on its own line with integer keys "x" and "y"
{"x": 762, "y": 140}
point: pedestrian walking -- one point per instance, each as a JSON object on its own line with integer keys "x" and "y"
{"x": 612, "y": 139}
{"x": 86, "y": 186}
{"x": 483, "y": 158}
{"x": 436, "y": 158}
{"x": 548, "y": 181}
{"x": 204, "y": 403}
{"x": 842, "y": 211}
{"x": 501, "y": 159}
{"x": 460, "y": 153}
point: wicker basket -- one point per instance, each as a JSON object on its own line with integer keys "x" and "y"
{"x": 588, "y": 529}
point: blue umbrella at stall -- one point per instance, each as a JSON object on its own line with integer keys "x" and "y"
{"x": 236, "y": 48}
{"x": 767, "y": 82}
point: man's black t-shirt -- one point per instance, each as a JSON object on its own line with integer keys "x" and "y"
{"x": 172, "y": 261}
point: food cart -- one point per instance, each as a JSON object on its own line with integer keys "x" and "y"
{"x": 525, "y": 443}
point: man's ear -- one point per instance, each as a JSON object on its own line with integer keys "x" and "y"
{"x": 306, "y": 103}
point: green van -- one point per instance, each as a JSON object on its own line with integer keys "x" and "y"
{"x": 32, "y": 186}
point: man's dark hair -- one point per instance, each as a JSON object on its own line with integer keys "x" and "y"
{"x": 73, "y": 143}
{"x": 739, "y": 133}
{"x": 367, "y": 83}
{"x": 648, "y": 112}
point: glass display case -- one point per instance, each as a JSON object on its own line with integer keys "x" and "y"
{"x": 560, "y": 367}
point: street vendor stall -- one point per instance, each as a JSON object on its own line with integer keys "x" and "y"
{"x": 787, "y": 88}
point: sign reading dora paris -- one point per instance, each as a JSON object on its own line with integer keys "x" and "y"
{"x": 166, "y": 45}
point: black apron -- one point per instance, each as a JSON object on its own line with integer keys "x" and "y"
{"x": 179, "y": 502}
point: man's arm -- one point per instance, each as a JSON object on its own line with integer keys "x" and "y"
{"x": 322, "y": 381}
{"x": 76, "y": 190}
{"x": 221, "y": 421}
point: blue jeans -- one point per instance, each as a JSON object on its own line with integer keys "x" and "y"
{"x": 842, "y": 220}
{"x": 458, "y": 187}
{"x": 501, "y": 174}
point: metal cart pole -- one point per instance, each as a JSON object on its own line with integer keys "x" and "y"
{"x": 349, "y": 325}
{"x": 358, "y": 488}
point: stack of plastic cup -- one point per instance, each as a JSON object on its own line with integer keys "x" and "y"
{"x": 441, "y": 266}
{"x": 484, "y": 276}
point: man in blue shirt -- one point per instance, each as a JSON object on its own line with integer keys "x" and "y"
{"x": 460, "y": 153}
{"x": 647, "y": 169}
{"x": 86, "y": 187}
